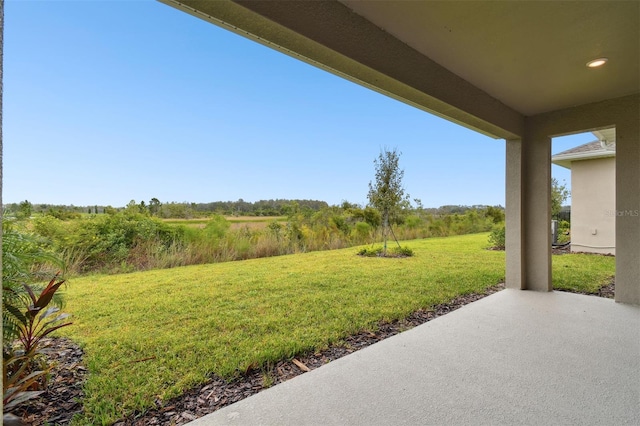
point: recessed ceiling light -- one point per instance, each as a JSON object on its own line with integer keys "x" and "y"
{"x": 597, "y": 62}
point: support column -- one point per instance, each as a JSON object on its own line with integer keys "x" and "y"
{"x": 536, "y": 204}
{"x": 628, "y": 209}
{"x": 514, "y": 274}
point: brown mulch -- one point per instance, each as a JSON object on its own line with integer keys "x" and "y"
{"x": 554, "y": 250}
{"x": 60, "y": 402}
{"x": 63, "y": 394}
{"x": 561, "y": 249}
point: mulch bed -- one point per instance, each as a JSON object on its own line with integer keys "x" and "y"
{"x": 60, "y": 402}
{"x": 63, "y": 394}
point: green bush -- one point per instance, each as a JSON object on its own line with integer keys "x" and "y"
{"x": 564, "y": 232}
{"x": 497, "y": 237}
{"x": 217, "y": 226}
{"x": 361, "y": 232}
{"x": 401, "y": 251}
{"x": 370, "y": 251}
{"x": 413, "y": 221}
{"x": 391, "y": 252}
{"x": 105, "y": 242}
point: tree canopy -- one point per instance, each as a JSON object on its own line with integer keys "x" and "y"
{"x": 559, "y": 194}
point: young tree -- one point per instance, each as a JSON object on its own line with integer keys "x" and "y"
{"x": 24, "y": 210}
{"x": 154, "y": 206}
{"x": 132, "y": 207}
{"x": 387, "y": 193}
{"x": 559, "y": 194}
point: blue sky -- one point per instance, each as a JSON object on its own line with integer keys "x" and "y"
{"x": 109, "y": 101}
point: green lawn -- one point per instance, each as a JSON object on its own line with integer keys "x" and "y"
{"x": 582, "y": 272}
{"x": 153, "y": 334}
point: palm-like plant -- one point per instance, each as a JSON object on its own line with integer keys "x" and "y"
{"x": 26, "y": 314}
{"x": 24, "y": 261}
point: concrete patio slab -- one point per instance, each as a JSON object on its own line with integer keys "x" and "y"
{"x": 512, "y": 358}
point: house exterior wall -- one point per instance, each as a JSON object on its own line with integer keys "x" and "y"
{"x": 593, "y": 206}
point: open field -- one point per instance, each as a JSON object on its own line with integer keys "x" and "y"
{"x": 237, "y": 222}
{"x": 195, "y": 223}
{"x": 152, "y": 335}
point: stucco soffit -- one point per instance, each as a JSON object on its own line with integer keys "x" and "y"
{"x": 566, "y": 159}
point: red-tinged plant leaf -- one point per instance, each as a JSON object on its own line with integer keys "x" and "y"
{"x": 55, "y": 320}
{"x": 51, "y": 310}
{"x": 52, "y": 329}
{"x": 8, "y": 394}
{"x": 30, "y": 379}
{"x": 48, "y": 292}
{"x": 32, "y": 342}
{"x": 14, "y": 391}
{"x": 37, "y": 322}
{"x": 32, "y": 311}
{"x": 20, "y": 398}
{"x": 11, "y": 379}
{"x": 31, "y": 294}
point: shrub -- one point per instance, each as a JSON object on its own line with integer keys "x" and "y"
{"x": 413, "y": 221}
{"x": 391, "y": 252}
{"x": 63, "y": 214}
{"x": 564, "y": 232}
{"x": 497, "y": 237}
{"x": 438, "y": 228}
{"x": 400, "y": 251}
{"x": 217, "y": 226}
{"x": 276, "y": 229}
{"x": 361, "y": 232}
{"x": 370, "y": 251}
{"x": 106, "y": 241}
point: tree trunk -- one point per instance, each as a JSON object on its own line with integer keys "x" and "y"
{"x": 385, "y": 229}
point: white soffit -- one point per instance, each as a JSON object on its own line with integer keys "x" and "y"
{"x": 603, "y": 147}
{"x": 608, "y": 135}
{"x": 566, "y": 160}
{"x": 530, "y": 55}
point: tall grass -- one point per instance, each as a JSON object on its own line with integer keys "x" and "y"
{"x": 128, "y": 241}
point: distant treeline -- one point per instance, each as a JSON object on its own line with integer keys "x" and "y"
{"x": 171, "y": 210}
{"x": 186, "y": 210}
{"x": 277, "y": 207}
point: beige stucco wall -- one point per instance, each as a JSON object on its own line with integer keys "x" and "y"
{"x": 593, "y": 206}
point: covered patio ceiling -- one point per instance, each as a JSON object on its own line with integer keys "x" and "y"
{"x": 530, "y": 56}
{"x": 484, "y": 65}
